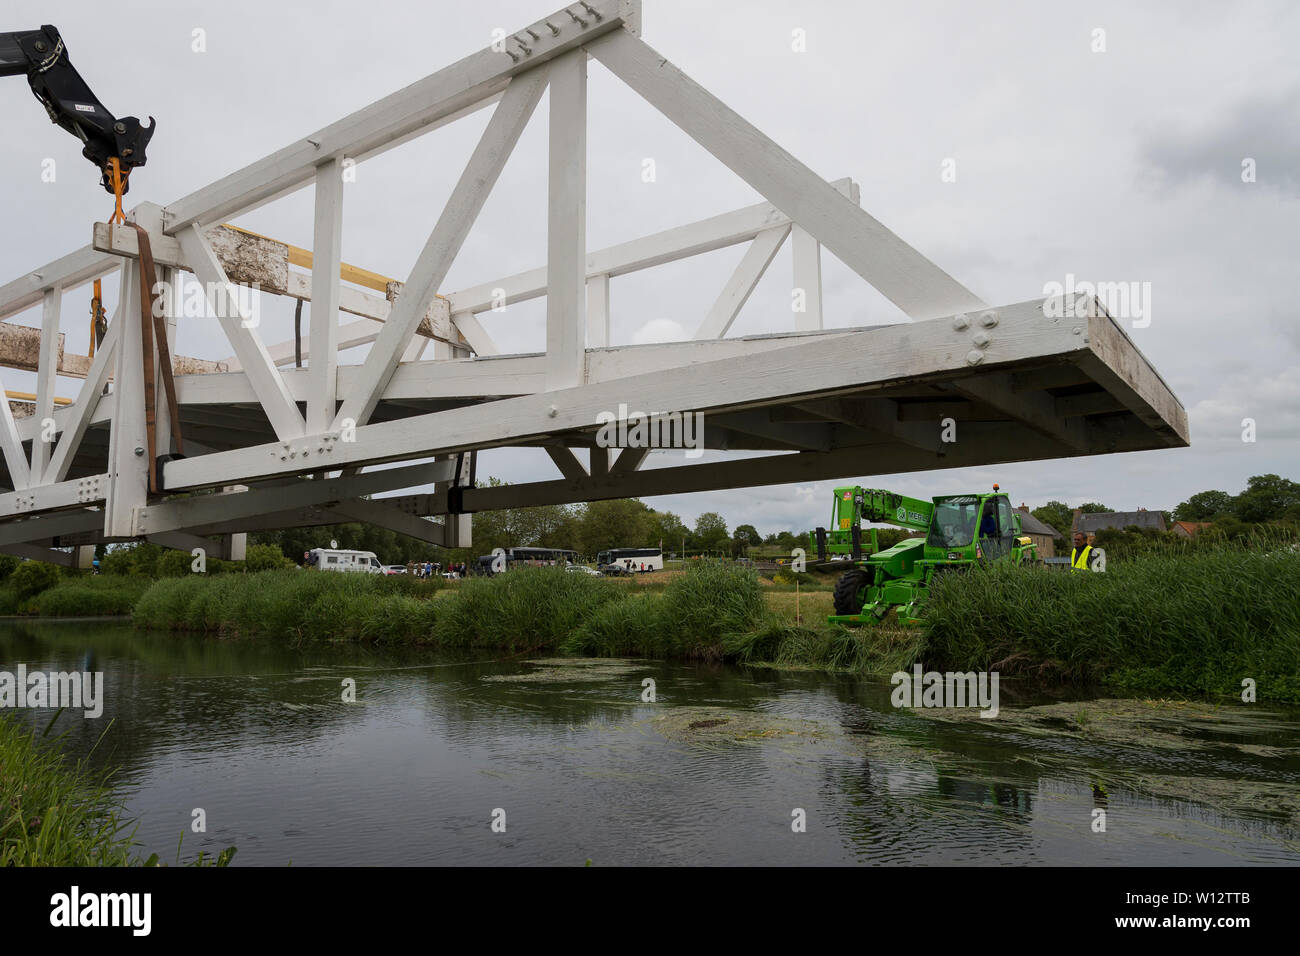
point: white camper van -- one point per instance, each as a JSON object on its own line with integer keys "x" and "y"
{"x": 336, "y": 559}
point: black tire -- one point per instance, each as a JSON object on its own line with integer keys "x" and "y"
{"x": 848, "y": 591}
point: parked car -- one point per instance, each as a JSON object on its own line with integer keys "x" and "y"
{"x": 395, "y": 569}
{"x": 615, "y": 570}
{"x": 583, "y": 569}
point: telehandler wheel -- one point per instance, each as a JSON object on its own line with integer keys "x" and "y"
{"x": 848, "y": 591}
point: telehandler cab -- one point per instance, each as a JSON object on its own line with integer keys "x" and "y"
{"x": 959, "y": 532}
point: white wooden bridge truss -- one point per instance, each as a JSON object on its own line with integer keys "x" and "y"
{"x": 272, "y": 445}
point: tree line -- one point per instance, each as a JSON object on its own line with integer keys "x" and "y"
{"x": 596, "y": 526}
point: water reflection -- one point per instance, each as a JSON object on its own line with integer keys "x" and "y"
{"x": 257, "y": 734}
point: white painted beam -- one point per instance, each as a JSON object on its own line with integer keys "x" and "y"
{"x": 49, "y": 526}
{"x": 741, "y": 285}
{"x": 598, "y": 312}
{"x": 425, "y": 105}
{"x": 46, "y": 377}
{"x": 881, "y": 415}
{"x": 907, "y": 278}
{"x": 670, "y": 245}
{"x": 758, "y": 423}
{"x": 467, "y": 198}
{"x": 806, "y": 253}
{"x": 1036, "y": 411}
{"x": 253, "y": 357}
{"x": 567, "y": 462}
{"x": 752, "y": 472}
{"x": 474, "y": 333}
{"x": 54, "y": 497}
{"x": 378, "y": 513}
{"x": 128, "y": 446}
{"x": 628, "y": 461}
{"x": 123, "y": 241}
{"x": 566, "y": 292}
{"x": 934, "y": 348}
{"x": 12, "y": 446}
{"x": 76, "y": 268}
{"x": 327, "y": 257}
{"x": 202, "y": 510}
{"x": 37, "y": 553}
{"x": 73, "y": 421}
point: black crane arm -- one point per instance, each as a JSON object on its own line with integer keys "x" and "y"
{"x": 42, "y": 55}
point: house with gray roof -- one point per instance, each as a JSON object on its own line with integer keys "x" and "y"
{"x": 1043, "y": 535}
{"x": 1090, "y": 524}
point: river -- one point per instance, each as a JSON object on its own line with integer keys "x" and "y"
{"x": 721, "y": 768}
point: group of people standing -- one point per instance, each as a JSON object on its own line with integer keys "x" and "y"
{"x": 429, "y": 569}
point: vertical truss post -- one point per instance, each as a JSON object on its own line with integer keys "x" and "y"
{"x": 566, "y": 261}
{"x": 458, "y": 528}
{"x": 806, "y": 252}
{"x": 91, "y": 394}
{"x": 170, "y": 277}
{"x": 598, "y": 312}
{"x": 128, "y": 456}
{"x": 47, "y": 370}
{"x": 327, "y": 257}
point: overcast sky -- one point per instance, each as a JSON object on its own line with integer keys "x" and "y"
{"x": 1117, "y": 165}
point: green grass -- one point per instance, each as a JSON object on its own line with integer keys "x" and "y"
{"x": 57, "y": 813}
{"x": 527, "y": 609}
{"x": 53, "y": 813}
{"x": 86, "y": 596}
{"x": 1197, "y": 622}
{"x": 714, "y": 611}
{"x": 692, "y": 616}
{"x": 294, "y": 604}
{"x": 816, "y": 645}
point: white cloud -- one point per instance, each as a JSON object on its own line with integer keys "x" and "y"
{"x": 659, "y": 330}
{"x": 1272, "y": 402}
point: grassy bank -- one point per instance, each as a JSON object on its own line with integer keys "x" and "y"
{"x": 1199, "y": 622}
{"x": 53, "y": 813}
{"x": 298, "y": 605}
{"x": 1193, "y": 622}
{"x": 83, "y": 596}
{"x": 57, "y": 813}
{"x": 714, "y": 612}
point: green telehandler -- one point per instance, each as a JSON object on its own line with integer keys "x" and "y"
{"x": 960, "y": 531}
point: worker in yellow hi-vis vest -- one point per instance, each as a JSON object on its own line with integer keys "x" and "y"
{"x": 1081, "y": 553}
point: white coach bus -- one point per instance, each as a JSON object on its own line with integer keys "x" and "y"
{"x": 634, "y": 559}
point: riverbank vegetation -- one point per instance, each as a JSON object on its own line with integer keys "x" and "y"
{"x": 37, "y": 589}
{"x": 716, "y": 611}
{"x": 1196, "y": 621}
{"x": 53, "y": 813}
{"x": 1199, "y": 621}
